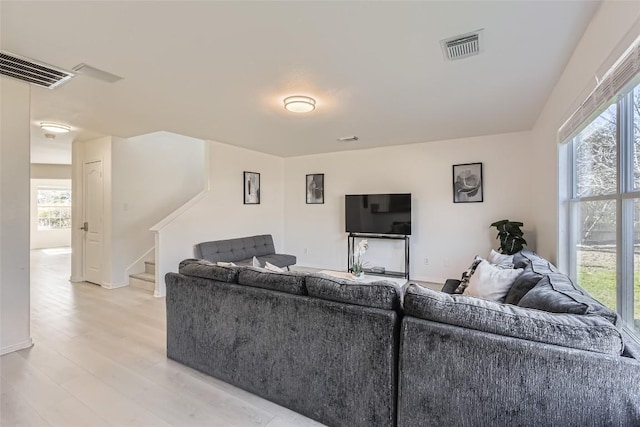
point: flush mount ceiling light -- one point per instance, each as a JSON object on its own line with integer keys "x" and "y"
{"x": 55, "y": 127}
{"x": 299, "y": 104}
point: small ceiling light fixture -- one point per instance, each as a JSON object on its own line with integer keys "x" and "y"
{"x": 55, "y": 127}
{"x": 299, "y": 104}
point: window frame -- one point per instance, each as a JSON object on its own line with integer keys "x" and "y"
{"x": 624, "y": 197}
{"x": 39, "y": 205}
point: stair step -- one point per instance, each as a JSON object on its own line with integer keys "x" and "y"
{"x": 150, "y": 267}
{"x": 144, "y": 281}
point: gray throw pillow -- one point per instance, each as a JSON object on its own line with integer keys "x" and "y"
{"x": 208, "y": 270}
{"x": 523, "y": 284}
{"x": 379, "y": 294}
{"x": 540, "y": 265}
{"x": 290, "y": 282}
{"x": 556, "y": 293}
{"x": 591, "y": 333}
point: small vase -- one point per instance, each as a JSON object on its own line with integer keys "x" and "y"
{"x": 357, "y": 271}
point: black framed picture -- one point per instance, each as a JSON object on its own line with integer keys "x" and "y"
{"x": 251, "y": 188}
{"x": 467, "y": 183}
{"x": 315, "y": 188}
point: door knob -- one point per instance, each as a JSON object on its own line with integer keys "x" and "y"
{"x": 85, "y": 227}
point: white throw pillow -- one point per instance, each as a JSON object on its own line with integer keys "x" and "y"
{"x": 491, "y": 282}
{"x": 256, "y": 263}
{"x": 274, "y": 268}
{"x": 225, "y": 264}
{"x": 496, "y": 258}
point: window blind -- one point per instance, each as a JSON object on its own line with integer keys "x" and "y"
{"x": 624, "y": 74}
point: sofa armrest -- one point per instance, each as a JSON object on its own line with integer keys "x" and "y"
{"x": 492, "y": 379}
{"x": 450, "y": 286}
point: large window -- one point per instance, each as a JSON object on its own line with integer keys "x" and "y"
{"x": 54, "y": 208}
{"x": 605, "y": 207}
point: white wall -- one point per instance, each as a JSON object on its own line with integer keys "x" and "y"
{"x": 47, "y": 238}
{"x": 15, "y": 332}
{"x": 448, "y": 234}
{"x": 153, "y": 175}
{"x": 221, "y": 214}
{"x": 50, "y": 171}
{"x": 144, "y": 179}
{"x": 612, "y": 30}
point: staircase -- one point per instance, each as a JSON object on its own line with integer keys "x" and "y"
{"x": 146, "y": 280}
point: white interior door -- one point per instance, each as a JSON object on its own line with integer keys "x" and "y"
{"x": 92, "y": 213}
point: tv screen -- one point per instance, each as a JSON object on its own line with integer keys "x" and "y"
{"x": 378, "y": 213}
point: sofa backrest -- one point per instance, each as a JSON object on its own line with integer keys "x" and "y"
{"x": 331, "y": 361}
{"x": 585, "y": 332}
{"x": 232, "y": 250}
{"x": 380, "y": 294}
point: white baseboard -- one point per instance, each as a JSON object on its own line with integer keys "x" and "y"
{"x": 113, "y": 286}
{"x": 15, "y": 347}
{"x": 76, "y": 279}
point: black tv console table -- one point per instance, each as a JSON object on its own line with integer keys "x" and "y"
{"x": 351, "y": 246}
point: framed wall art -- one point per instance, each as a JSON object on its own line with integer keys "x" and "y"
{"x": 251, "y": 188}
{"x": 467, "y": 183}
{"x": 315, "y": 189}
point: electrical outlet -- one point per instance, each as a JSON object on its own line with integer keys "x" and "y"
{"x": 426, "y": 261}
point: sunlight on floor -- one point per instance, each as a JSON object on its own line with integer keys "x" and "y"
{"x": 57, "y": 251}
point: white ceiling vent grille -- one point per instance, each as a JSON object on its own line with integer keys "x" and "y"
{"x": 462, "y": 46}
{"x": 31, "y": 71}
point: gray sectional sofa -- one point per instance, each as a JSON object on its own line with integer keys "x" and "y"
{"x": 317, "y": 345}
{"x": 242, "y": 250}
{"x": 351, "y": 354}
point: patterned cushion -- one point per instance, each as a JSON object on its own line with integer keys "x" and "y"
{"x": 591, "y": 333}
{"x": 288, "y": 281}
{"x": 381, "y": 294}
{"x": 208, "y": 270}
{"x": 464, "y": 280}
{"x": 557, "y": 293}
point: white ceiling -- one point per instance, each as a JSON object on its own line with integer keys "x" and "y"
{"x": 219, "y": 70}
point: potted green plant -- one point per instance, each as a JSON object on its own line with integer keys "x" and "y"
{"x": 510, "y": 236}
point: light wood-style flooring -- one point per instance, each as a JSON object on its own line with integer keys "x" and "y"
{"x": 99, "y": 359}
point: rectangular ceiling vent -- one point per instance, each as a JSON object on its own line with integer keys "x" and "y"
{"x": 96, "y": 73}
{"x": 462, "y": 46}
{"x": 31, "y": 71}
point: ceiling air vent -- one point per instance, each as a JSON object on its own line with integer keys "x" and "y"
{"x": 96, "y": 73}
{"x": 31, "y": 71}
{"x": 462, "y": 46}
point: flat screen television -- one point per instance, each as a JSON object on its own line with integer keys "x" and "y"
{"x": 378, "y": 213}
